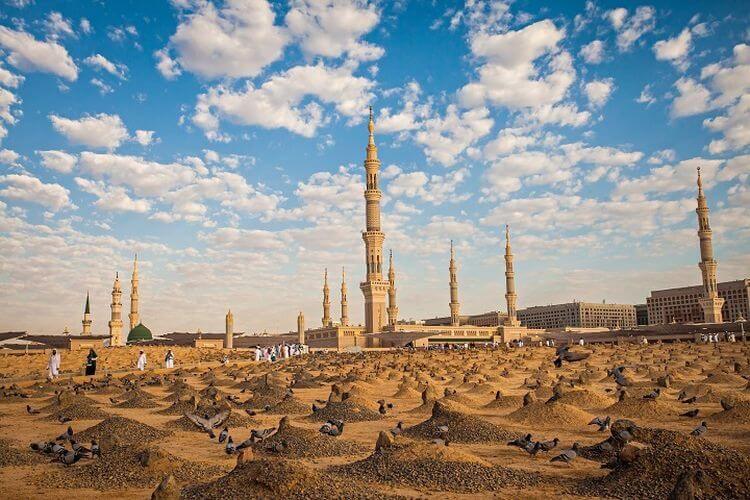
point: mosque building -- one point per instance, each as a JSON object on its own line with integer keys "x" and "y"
{"x": 137, "y": 332}
{"x": 382, "y": 327}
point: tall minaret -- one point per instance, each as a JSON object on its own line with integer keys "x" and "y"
{"x": 134, "y": 316}
{"x": 392, "y": 308}
{"x": 710, "y": 302}
{"x": 326, "y": 301}
{"x": 374, "y": 288}
{"x": 510, "y": 283}
{"x": 229, "y": 331}
{"x": 86, "y": 317}
{"x": 301, "y": 328}
{"x": 455, "y": 306}
{"x": 115, "y": 323}
{"x": 344, "y": 304}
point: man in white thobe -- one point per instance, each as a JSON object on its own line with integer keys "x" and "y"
{"x": 141, "y": 363}
{"x": 53, "y": 366}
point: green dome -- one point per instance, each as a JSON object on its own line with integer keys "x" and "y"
{"x": 139, "y": 333}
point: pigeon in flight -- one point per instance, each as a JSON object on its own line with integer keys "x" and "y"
{"x": 223, "y": 434}
{"x": 207, "y": 424}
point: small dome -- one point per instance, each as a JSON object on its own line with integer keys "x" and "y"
{"x": 139, "y": 333}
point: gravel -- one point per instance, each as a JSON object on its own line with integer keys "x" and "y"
{"x": 551, "y": 415}
{"x": 462, "y": 427}
{"x": 117, "y": 430}
{"x": 351, "y": 410}
{"x": 12, "y": 456}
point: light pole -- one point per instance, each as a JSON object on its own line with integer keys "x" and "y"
{"x": 741, "y": 321}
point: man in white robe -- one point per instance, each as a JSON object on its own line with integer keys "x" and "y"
{"x": 53, "y": 366}
{"x": 168, "y": 360}
{"x": 141, "y": 363}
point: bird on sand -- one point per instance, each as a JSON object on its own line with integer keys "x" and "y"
{"x": 726, "y": 405}
{"x": 567, "y": 456}
{"x": 66, "y": 436}
{"x": 520, "y": 442}
{"x": 700, "y": 430}
{"x": 565, "y": 354}
{"x": 223, "y": 434}
{"x": 396, "y": 431}
{"x": 31, "y": 411}
{"x": 547, "y": 446}
{"x": 230, "y": 448}
{"x": 332, "y": 428}
{"x": 64, "y": 420}
{"x": 651, "y": 396}
{"x": 691, "y": 413}
{"x": 603, "y": 423}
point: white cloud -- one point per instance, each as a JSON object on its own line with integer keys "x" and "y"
{"x": 409, "y": 116}
{"x": 167, "y": 66}
{"x": 9, "y": 79}
{"x": 28, "y": 188}
{"x": 103, "y": 87}
{"x": 98, "y": 61}
{"x": 663, "y": 156}
{"x": 332, "y": 28}
{"x": 98, "y": 131}
{"x": 598, "y": 91}
{"x": 675, "y": 49}
{"x": 646, "y": 97}
{"x": 734, "y": 125}
{"x": 145, "y": 137}
{"x": 508, "y": 140}
{"x": 445, "y": 139}
{"x": 237, "y": 40}
{"x": 277, "y": 103}
{"x": 9, "y": 157}
{"x": 58, "y": 161}
{"x": 85, "y": 26}
{"x": 29, "y": 54}
{"x": 435, "y": 189}
{"x": 112, "y": 199}
{"x": 693, "y": 98}
{"x": 511, "y": 75}
{"x": 7, "y": 99}
{"x": 559, "y": 114}
{"x": 631, "y": 28}
{"x": 669, "y": 178}
{"x": 57, "y": 26}
{"x": 593, "y": 52}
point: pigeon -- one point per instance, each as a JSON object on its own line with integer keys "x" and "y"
{"x": 624, "y": 436}
{"x": 520, "y": 442}
{"x": 546, "y": 446}
{"x": 533, "y": 448}
{"x": 263, "y": 434}
{"x": 32, "y": 411}
{"x": 69, "y": 457}
{"x": 278, "y": 447}
{"x": 64, "y": 420}
{"x": 651, "y": 396}
{"x": 690, "y": 400}
{"x": 230, "y": 448}
{"x": 700, "y": 430}
{"x": 207, "y": 424}
{"x": 726, "y": 405}
{"x": 332, "y": 428}
{"x": 267, "y": 408}
{"x": 602, "y": 423}
{"x": 223, "y": 434}
{"x": 42, "y": 447}
{"x": 250, "y": 412}
{"x": 67, "y": 436}
{"x": 567, "y": 456}
{"x": 315, "y": 407}
{"x": 617, "y": 374}
{"x": 398, "y": 429}
{"x": 95, "y": 450}
{"x": 79, "y": 448}
{"x": 690, "y": 414}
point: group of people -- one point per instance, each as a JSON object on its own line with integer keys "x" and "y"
{"x": 55, "y": 360}
{"x": 713, "y": 338}
{"x": 279, "y": 351}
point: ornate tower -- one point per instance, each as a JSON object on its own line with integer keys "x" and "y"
{"x": 455, "y": 306}
{"x": 711, "y": 302}
{"x": 86, "y": 317}
{"x": 344, "y": 304}
{"x": 115, "y": 322}
{"x": 374, "y": 288}
{"x": 301, "y": 328}
{"x": 134, "y": 316}
{"x": 510, "y": 283}
{"x": 326, "y": 301}
{"x": 392, "y": 308}
{"x": 229, "y": 330}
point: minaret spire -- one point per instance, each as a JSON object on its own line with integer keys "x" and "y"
{"x": 86, "y": 322}
{"x": 326, "y": 300}
{"x": 374, "y": 288}
{"x": 454, "y": 305}
{"x": 344, "y": 304}
{"x": 392, "y": 308}
{"x": 134, "y": 316}
{"x": 301, "y": 328}
{"x": 710, "y": 302}
{"x": 510, "y": 282}
{"x": 115, "y": 322}
{"x": 229, "y": 330}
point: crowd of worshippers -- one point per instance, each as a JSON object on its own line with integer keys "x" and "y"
{"x": 279, "y": 351}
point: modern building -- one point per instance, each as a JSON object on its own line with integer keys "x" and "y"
{"x": 641, "y": 314}
{"x": 579, "y": 315}
{"x": 682, "y": 305}
{"x": 491, "y": 318}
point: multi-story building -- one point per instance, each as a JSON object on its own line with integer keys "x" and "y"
{"x": 682, "y": 305}
{"x": 579, "y": 315}
{"x": 641, "y": 314}
{"x": 492, "y": 318}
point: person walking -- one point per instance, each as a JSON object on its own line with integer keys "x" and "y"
{"x": 169, "y": 360}
{"x": 53, "y": 365}
{"x": 141, "y": 363}
{"x": 91, "y": 363}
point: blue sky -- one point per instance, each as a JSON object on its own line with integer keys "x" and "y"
{"x": 223, "y": 142}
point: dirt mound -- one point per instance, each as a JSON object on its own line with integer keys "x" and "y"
{"x": 641, "y": 408}
{"x": 12, "y": 456}
{"x": 435, "y": 467}
{"x": 66, "y": 399}
{"x": 137, "y": 399}
{"x": 278, "y": 478}
{"x": 724, "y": 378}
{"x": 235, "y": 419}
{"x": 740, "y": 414}
{"x": 179, "y": 407}
{"x": 657, "y": 467}
{"x": 78, "y": 411}
{"x": 126, "y": 466}
{"x": 505, "y": 402}
{"x": 462, "y": 427}
{"x": 116, "y": 430}
{"x": 586, "y": 399}
{"x": 350, "y": 410}
{"x": 550, "y": 415}
{"x": 407, "y": 392}
{"x": 289, "y": 406}
{"x": 295, "y": 442}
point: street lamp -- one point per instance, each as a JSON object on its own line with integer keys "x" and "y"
{"x": 741, "y": 321}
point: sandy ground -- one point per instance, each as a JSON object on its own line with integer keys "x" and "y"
{"x": 710, "y": 373}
